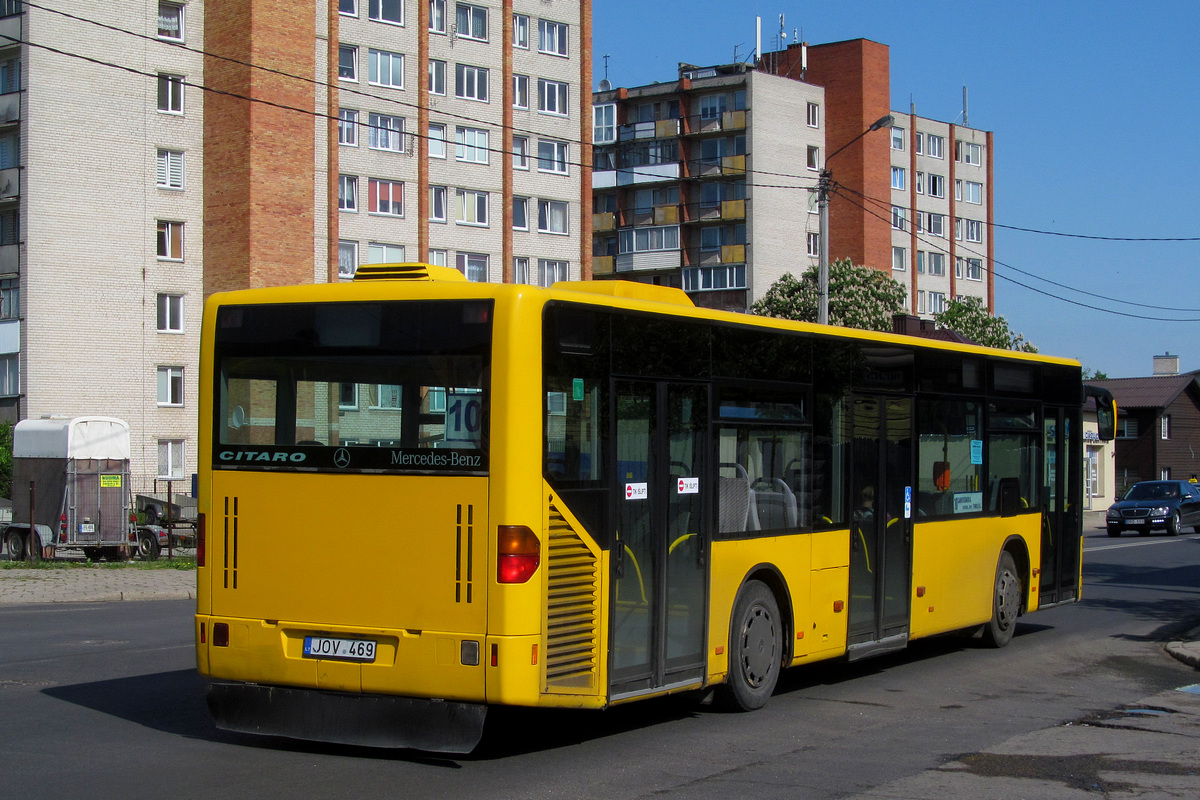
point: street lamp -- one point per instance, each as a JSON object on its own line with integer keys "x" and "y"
{"x": 824, "y": 183}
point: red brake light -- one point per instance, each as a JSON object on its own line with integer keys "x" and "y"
{"x": 200, "y": 530}
{"x": 519, "y": 554}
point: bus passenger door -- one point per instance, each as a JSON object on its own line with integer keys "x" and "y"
{"x": 659, "y": 552}
{"x": 1062, "y": 488}
{"x": 881, "y": 525}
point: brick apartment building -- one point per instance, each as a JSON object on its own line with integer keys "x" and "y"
{"x": 717, "y": 172}
{"x": 257, "y": 143}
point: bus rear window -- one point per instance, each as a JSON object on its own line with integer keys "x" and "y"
{"x": 353, "y": 387}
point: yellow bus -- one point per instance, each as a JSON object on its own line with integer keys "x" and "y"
{"x": 421, "y": 497}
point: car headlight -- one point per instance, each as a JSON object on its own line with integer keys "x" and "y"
{"x": 1160, "y": 511}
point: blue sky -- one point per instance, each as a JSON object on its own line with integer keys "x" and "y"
{"x": 1096, "y": 112}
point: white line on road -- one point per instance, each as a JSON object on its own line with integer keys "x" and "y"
{"x": 1168, "y": 540}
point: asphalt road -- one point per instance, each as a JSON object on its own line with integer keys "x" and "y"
{"x": 101, "y": 700}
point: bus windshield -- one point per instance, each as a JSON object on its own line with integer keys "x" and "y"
{"x": 353, "y": 387}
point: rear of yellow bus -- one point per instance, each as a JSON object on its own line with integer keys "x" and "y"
{"x": 344, "y": 454}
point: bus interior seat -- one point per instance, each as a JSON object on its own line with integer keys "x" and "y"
{"x": 735, "y": 501}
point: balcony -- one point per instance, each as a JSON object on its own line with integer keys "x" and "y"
{"x": 10, "y": 258}
{"x": 10, "y": 107}
{"x": 720, "y": 166}
{"x": 652, "y": 260}
{"x": 10, "y": 183}
{"x": 647, "y": 173}
{"x": 725, "y": 121}
{"x": 604, "y": 221}
{"x": 602, "y": 265}
{"x": 657, "y": 129}
{"x": 725, "y": 254}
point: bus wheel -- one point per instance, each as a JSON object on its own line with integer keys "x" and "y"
{"x": 16, "y": 546}
{"x": 148, "y": 547}
{"x": 755, "y": 648}
{"x": 1006, "y": 604}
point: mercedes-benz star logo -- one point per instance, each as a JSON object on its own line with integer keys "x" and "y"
{"x": 341, "y": 458}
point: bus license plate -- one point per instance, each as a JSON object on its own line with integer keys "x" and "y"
{"x": 345, "y": 649}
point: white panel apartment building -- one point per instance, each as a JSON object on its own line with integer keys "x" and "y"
{"x": 100, "y": 229}
{"x": 460, "y": 139}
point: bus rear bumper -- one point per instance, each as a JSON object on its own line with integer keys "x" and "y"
{"x": 369, "y": 720}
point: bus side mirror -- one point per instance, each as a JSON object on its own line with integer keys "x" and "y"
{"x": 1106, "y": 411}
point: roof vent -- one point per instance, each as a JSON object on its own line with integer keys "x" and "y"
{"x": 406, "y": 272}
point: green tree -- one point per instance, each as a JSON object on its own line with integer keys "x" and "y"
{"x": 859, "y": 297}
{"x": 969, "y": 317}
{"x": 1090, "y": 374}
{"x": 6, "y": 459}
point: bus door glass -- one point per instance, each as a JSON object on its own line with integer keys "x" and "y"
{"x": 1061, "y": 520}
{"x": 881, "y": 523}
{"x": 658, "y": 555}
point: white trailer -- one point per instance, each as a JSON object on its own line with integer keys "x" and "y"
{"x": 79, "y": 471}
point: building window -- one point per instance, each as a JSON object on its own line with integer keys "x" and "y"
{"x": 897, "y": 218}
{"x": 386, "y": 69}
{"x": 707, "y": 279}
{"x": 379, "y": 253}
{"x": 604, "y": 124}
{"x": 899, "y": 259}
{"x": 170, "y": 169}
{"x": 470, "y": 83}
{"x": 472, "y": 207}
{"x": 968, "y": 153}
{"x": 521, "y": 91}
{"x": 473, "y": 265}
{"x": 521, "y": 31}
{"x": 437, "y": 76}
{"x": 386, "y": 11}
{"x": 937, "y": 302}
{"x": 348, "y": 127}
{"x": 520, "y": 154}
{"x": 969, "y": 268}
{"x": 348, "y": 8}
{"x": 8, "y": 226}
{"x": 520, "y": 214}
{"x": 10, "y": 75}
{"x": 551, "y": 271}
{"x": 10, "y": 375}
{"x": 347, "y": 259}
{"x": 387, "y": 133}
{"x": 552, "y": 156}
{"x": 437, "y": 203}
{"x": 814, "y": 115}
{"x": 170, "y": 22}
{"x": 347, "y": 193}
{"x": 170, "y": 241}
{"x": 1127, "y": 427}
{"x": 646, "y": 240}
{"x": 170, "y": 386}
{"x": 936, "y": 185}
{"x": 933, "y": 224}
{"x": 898, "y": 178}
{"x": 920, "y": 262}
{"x": 1165, "y": 428}
{"x": 347, "y": 396}
{"x": 471, "y": 22}
{"x": 170, "y": 313}
{"x": 936, "y": 263}
{"x": 552, "y": 37}
{"x": 552, "y": 97}
{"x": 1164, "y": 474}
{"x": 813, "y": 241}
{"x": 437, "y": 258}
{"x": 385, "y": 396}
{"x": 919, "y": 182}
{"x": 521, "y": 270}
{"x": 385, "y": 197}
{"x": 10, "y": 298}
{"x": 935, "y": 146}
{"x": 170, "y": 459}
{"x": 437, "y": 16}
{"x": 897, "y": 138}
{"x": 471, "y": 145}
{"x": 968, "y": 192}
{"x": 919, "y": 142}
{"x": 437, "y": 140}
{"x": 347, "y": 62}
{"x": 552, "y": 216}
{"x": 969, "y": 229}
{"x": 170, "y": 94}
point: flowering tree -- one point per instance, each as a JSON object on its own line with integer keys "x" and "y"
{"x": 859, "y": 297}
{"x": 968, "y": 316}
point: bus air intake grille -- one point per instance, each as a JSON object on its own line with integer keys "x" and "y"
{"x": 572, "y": 610}
{"x": 406, "y": 272}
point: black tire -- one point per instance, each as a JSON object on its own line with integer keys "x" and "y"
{"x": 755, "y": 648}
{"x": 152, "y": 514}
{"x": 1006, "y": 603}
{"x": 16, "y": 545}
{"x": 148, "y": 546}
{"x": 116, "y": 553}
{"x": 1175, "y": 524}
{"x": 1114, "y": 531}
{"x": 92, "y": 553}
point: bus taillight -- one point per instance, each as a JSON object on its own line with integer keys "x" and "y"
{"x": 200, "y": 530}
{"x": 520, "y": 553}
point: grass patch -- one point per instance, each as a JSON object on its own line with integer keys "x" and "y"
{"x": 180, "y": 563}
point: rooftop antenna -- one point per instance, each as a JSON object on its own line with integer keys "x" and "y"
{"x": 606, "y": 58}
{"x": 965, "y": 123}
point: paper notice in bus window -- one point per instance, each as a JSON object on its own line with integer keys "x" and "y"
{"x": 968, "y": 502}
{"x": 977, "y": 451}
{"x": 689, "y": 486}
{"x": 464, "y": 417}
{"x": 637, "y": 491}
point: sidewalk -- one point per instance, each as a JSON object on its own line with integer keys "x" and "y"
{"x": 94, "y": 585}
